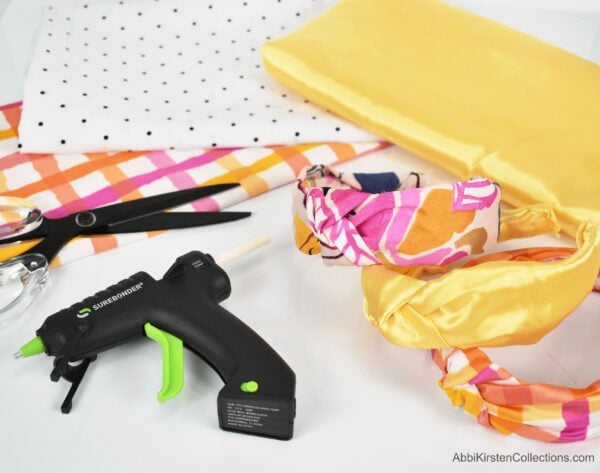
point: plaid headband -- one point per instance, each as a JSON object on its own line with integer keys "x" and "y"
{"x": 500, "y": 401}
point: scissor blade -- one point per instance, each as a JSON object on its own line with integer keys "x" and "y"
{"x": 169, "y": 221}
{"x": 126, "y": 211}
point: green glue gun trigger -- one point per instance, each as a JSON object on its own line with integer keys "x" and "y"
{"x": 180, "y": 310}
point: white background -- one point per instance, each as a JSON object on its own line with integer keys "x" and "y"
{"x": 363, "y": 404}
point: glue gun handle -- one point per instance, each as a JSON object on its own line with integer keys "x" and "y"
{"x": 234, "y": 350}
{"x": 259, "y": 392}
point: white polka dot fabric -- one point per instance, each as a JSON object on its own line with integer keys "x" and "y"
{"x": 167, "y": 74}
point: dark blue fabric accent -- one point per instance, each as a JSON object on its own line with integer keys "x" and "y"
{"x": 377, "y": 183}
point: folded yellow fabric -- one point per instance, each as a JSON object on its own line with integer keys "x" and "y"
{"x": 464, "y": 92}
{"x": 503, "y": 301}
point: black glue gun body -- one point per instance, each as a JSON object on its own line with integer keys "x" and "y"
{"x": 182, "y": 309}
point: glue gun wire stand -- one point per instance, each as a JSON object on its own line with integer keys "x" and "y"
{"x": 182, "y": 309}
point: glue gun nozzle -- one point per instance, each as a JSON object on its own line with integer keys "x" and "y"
{"x": 33, "y": 347}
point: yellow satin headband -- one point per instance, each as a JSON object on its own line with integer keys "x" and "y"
{"x": 497, "y": 303}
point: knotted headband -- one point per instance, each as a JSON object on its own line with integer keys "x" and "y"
{"x": 499, "y": 400}
{"x": 370, "y": 219}
{"x": 496, "y": 303}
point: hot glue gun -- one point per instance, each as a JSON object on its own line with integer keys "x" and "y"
{"x": 181, "y": 309}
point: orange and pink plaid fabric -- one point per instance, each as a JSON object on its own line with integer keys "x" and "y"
{"x": 499, "y": 400}
{"x": 62, "y": 184}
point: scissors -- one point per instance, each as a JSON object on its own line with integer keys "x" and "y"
{"x": 24, "y": 265}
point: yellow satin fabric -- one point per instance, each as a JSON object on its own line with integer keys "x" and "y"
{"x": 496, "y": 303}
{"x": 473, "y": 96}
{"x": 528, "y": 221}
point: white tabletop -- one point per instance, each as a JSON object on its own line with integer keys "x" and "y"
{"x": 362, "y": 403}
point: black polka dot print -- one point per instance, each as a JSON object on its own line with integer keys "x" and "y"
{"x": 124, "y": 75}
